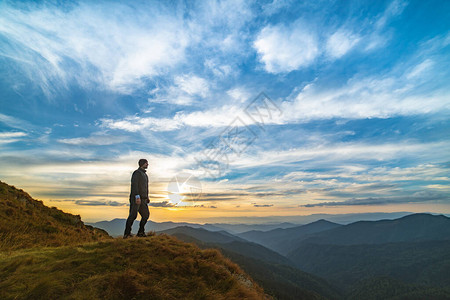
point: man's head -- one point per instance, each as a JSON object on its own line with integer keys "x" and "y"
{"x": 143, "y": 163}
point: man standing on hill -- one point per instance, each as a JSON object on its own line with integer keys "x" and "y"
{"x": 138, "y": 200}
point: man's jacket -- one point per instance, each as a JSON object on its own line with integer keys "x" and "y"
{"x": 139, "y": 185}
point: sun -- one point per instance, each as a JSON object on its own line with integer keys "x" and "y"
{"x": 184, "y": 189}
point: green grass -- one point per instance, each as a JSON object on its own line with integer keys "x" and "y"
{"x": 156, "y": 267}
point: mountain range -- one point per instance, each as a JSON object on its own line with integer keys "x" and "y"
{"x": 116, "y": 226}
{"x": 404, "y": 258}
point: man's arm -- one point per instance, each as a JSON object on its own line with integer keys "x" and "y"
{"x": 135, "y": 187}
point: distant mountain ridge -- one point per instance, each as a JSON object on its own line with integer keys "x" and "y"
{"x": 285, "y": 240}
{"x": 116, "y": 227}
{"x": 345, "y": 218}
{"x": 411, "y": 228}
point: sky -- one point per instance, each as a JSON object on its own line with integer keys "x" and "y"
{"x": 268, "y": 108}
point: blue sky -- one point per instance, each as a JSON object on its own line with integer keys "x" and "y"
{"x": 354, "y": 115}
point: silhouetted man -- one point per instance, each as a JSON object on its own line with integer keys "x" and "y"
{"x": 138, "y": 200}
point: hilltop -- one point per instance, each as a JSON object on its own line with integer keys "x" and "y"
{"x": 159, "y": 267}
{"x": 46, "y": 253}
{"x": 27, "y": 223}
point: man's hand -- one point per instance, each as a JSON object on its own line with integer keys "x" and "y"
{"x": 138, "y": 200}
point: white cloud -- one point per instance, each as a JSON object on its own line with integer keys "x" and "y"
{"x": 275, "y": 6}
{"x": 11, "y": 137}
{"x": 222, "y": 26}
{"x": 218, "y": 69}
{"x": 286, "y": 48}
{"x": 394, "y": 9}
{"x": 192, "y": 85}
{"x": 135, "y": 123}
{"x": 380, "y": 34}
{"x": 335, "y": 154}
{"x": 370, "y": 97}
{"x": 185, "y": 90}
{"x": 15, "y": 122}
{"x": 216, "y": 117}
{"x": 422, "y": 172}
{"x": 420, "y": 69}
{"x": 239, "y": 94}
{"x": 94, "y": 140}
{"x": 6, "y": 135}
{"x": 340, "y": 42}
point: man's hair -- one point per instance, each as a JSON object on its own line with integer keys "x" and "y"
{"x": 142, "y": 161}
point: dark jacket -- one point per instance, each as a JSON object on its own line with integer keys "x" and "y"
{"x": 139, "y": 184}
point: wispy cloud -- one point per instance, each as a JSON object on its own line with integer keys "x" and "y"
{"x": 420, "y": 69}
{"x": 275, "y": 6}
{"x": 93, "y": 44}
{"x": 161, "y": 204}
{"x": 262, "y": 205}
{"x": 379, "y": 35}
{"x": 16, "y": 123}
{"x": 338, "y": 152}
{"x": 404, "y": 90}
{"x": 362, "y": 173}
{"x": 98, "y": 203}
{"x": 394, "y": 9}
{"x": 420, "y": 196}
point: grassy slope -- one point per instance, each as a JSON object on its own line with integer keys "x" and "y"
{"x": 160, "y": 267}
{"x": 27, "y": 223}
